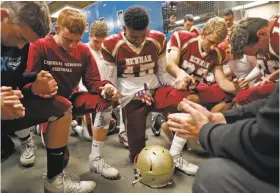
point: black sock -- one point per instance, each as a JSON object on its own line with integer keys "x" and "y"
{"x": 55, "y": 163}
{"x": 25, "y": 138}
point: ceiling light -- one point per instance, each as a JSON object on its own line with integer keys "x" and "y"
{"x": 182, "y": 21}
{"x": 56, "y": 14}
{"x": 179, "y": 21}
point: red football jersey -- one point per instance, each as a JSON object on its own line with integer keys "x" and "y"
{"x": 134, "y": 61}
{"x": 195, "y": 30}
{"x": 274, "y": 38}
{"x": 192, "y": 58}
{"x": 267, "y": 64}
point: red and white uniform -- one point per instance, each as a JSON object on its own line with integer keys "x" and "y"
{"x": 193, "y": 59}
{"x": 274, "y": 38}
{"x": 105, "y": 71}
{"x": 195, "y": 30}
{"x": 135, "y": 65}
{"x": 267, "y": 64}
{"x": 270, "y": 62}
{"x": 198, "y": 63}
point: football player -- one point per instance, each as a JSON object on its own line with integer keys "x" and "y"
{"x": 258, "y": 37}
{"x": 138, "y": 54}
{"x": 69, "y": 60}
{"x": 192, "y": 57}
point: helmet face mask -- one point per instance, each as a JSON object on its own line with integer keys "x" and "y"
{"x": 154, "y": 167}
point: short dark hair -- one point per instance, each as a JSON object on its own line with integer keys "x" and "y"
{"x": 188, "y": 17}
{"x": 228, "y": 12}
{"x": 136, "y": 17}
{"x": 35, "y": 15}
{"x": 245, "y": 34}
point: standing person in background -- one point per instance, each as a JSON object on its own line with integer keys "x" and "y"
{"x": 188, "y": 24}
{"x": 229, "y": 19}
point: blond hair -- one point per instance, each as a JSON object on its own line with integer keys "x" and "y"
{"x": 73, "y": 20}
{"x": 98, "y": 29}
{"x": 216, "y": 25}
{"x": 35, "y": 15}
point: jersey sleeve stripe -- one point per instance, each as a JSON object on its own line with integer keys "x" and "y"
{"x": 117, "y": 47}
{"x": 219, "y": 56}
{"x": 105, "y": 48}
{"x": 189, "y": 42}
{"x": 162, "y": 55}
{"x": 176, "y": 34}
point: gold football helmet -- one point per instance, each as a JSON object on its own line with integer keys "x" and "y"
{"x": 154, "y": 167}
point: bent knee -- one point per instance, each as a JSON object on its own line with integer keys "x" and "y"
{"x": 61, "y": 103}
{"x": 194, "y": 98}
{"x": 215, "y": 169}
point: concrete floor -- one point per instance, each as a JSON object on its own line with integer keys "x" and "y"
{"x": 16, "y": 179}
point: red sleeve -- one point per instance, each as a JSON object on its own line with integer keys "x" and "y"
{"x": 175, "y": 41}
{"x": 180, "y": 38}
{"x": 159, "y": 39}
{"x": 108, "y": 46}
{"x": 107, "y": 56}
{"x": 221, "y": 56}
{"x": 35, "y": 62}
{"x": 163, "y": 51}
{"x": 91, "y": 77}
{"x": 195, "y": 30}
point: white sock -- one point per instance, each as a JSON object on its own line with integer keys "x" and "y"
{"x": 177, "y": 145}
{"x": 23, "y": 133}
{"x": 96, "y": 149}
{"x": 122, "y": 127}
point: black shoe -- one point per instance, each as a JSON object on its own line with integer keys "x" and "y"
{"x": 157, "y": 120}
{"x": 7, "y": 147}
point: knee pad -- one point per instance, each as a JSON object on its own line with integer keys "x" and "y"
{"x": 102, "y": 119}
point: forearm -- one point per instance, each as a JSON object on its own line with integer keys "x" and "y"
{"x": 253, "y": 74}
{"x": 175, "y": 71}
{"x": 28, "y": 77}
{"x": 227, "y": 86}
{"x": 228, "y": 72}
{"x": 243, "y": 141}
{"x": 222, "y": 80}
{"x": 274, "y": 76}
